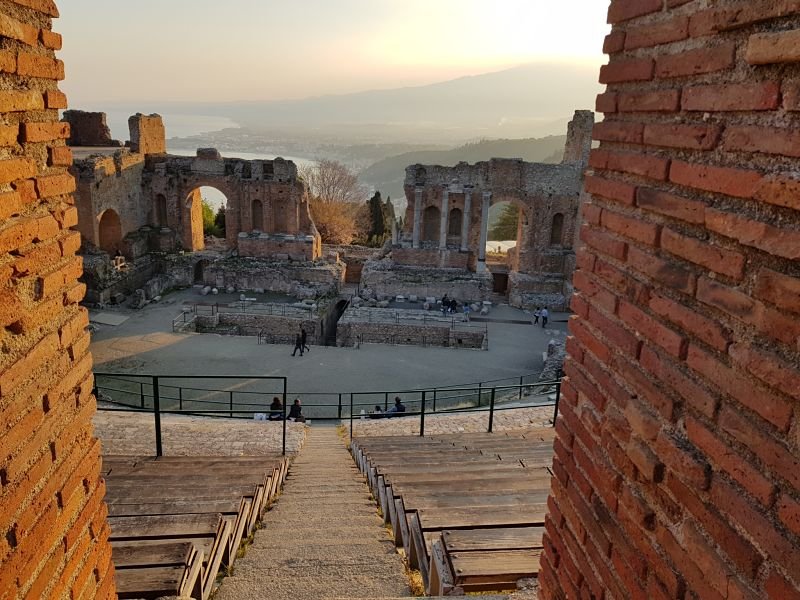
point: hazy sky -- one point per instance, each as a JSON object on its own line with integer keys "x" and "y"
{"x": 265, "y": 49}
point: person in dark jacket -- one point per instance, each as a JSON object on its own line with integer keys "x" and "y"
{"x": 298, "y": 345}
{"x": 296, "y": 412}
{"x": 303, "y": 338}
{"x": 398, "y": 407}
{"x": 276, "y": 410}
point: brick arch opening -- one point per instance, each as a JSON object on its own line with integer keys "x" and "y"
{"x": 109, "y": 231}
{"x": 431, "y": 221}
{"x": 454, "y": 223}
{"x": 557, "y": 230}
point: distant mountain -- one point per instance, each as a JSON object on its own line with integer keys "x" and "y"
{"x": 527, "y": 101}
{"x": 388, "y": 174}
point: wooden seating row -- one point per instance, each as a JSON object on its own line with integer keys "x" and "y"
{"x": 467, "y": 509}
{"x": 176, "y": 521}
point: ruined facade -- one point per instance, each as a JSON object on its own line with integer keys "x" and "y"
{"x": 677, "y": 469}
{"x": 447, "y": 218}
{"x": 53, "y": 529}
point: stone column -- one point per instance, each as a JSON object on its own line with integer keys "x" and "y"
{"x": 417, "y": 216}
{"x": 487, "y": 197}
{"x": 444, "y": 219}
{"x": 466, "y": 220}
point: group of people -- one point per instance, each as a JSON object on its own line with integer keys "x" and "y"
{"x": 396, "y": 410}
{"x": 300, "y": 342}
{"x": 541, "y": 313}
{"x": 295, "y": 411}
{"x": 449, "y": 305}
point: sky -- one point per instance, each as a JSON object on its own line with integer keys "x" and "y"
{"x": 212, "y": 51}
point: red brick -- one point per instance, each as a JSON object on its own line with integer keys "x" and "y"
{"x": 762, "y": 139}
{"x": 768, "y": 367}
{"x": 770, "y": 48}
{"x": 780, "y": 191}
{"x": 791, "y": 95}
{"x": 614, "y": 333}
{"x": 778, "y": 325}
{"x": 642, "y": 422}
{"x": 789, "y": 513}
{"x": 8, "y": 62}
{"x": 60, "y": 156}
{"x": 678, "y": 457}
{"x": 779, "y": 588}
{"x": 631, "y": 227}
{"x": 55, "y": 99}
{"x": 693, "y": 394}
{"x": 687, "y": 566}
{"x": 781, "y": 290}
{"x": 637, "y": 508}
{"x": 714, "y": 258}
{"x": 645, "y": 165}
{"x": 655, "y": 101}
{"x": 778, "y": 241}
{"x": 652, "y": 329}
{"x": 732, "y": 97}
{"x": 691, "y": 211}
{"x": 591, "y": 213}
{"x": 47, "y": 7}
{"x": 606, "y": 103}
{"x": 604, "y": 243}
{"x": 690, "y": 137}
{"x": 647, "y": 463}
{"x": 9, "y": 135}
{"x": 11, "y": 204}
{"x": 595, "y": 293}
{"x": 622, "y": 71}
{"x": 45, "y": 132}
{"x": 55, "y": 185}
{"x": 696, "y": 62}
{"x": 616, "y": 131}
{"x": 17, "y": 30}
{"x": 16, "y": 168}
{"x": 623, "y": 10}
{"x": 760, "y": 529}
{"x": 740, "y": 183}
{"x": 774, "y": 408}
{"x": 37, "y": 65}
{"x": 747, "y": 13}
{"x": 709, "y": 331}
{"x": 609, "y": 189}
{"x": 663, "y": 32}
{"x": 614, "y": 42}
{"x": 665, "y": 272}
{"x": 51, "y": 39}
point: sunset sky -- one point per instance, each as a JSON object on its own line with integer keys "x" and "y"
{"x": 183, "y": 50}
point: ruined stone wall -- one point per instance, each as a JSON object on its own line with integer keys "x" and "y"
{"x": 53, "y": 532}
{"x": 427, "y": 257}
{"x": 148, "y": 135}
{"x": 88, "y": 129}
{"x": 677, "y": 461}
{"x": 393, "y": 280}
{"x": 352, "y": 333}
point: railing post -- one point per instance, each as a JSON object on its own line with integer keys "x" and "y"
{"x": 230, "y": 395}
{"x": 339, "y": 410}
{"x": 385, "y": 401}
{"x": 180, "y": 398}
{"x": 157, "y": 416}
{"x": 351, "y": 416}
{"x": 141, "y": 394}
{"x": 284, "y": 416}
{"x": 434, "y": 399}
{"x": 480, "y": 393}
{"x": 491, "y": 411}
{"x": 422, "y": 416}
{"x": 520, "y": 386}
{"x": 558, "y": 395}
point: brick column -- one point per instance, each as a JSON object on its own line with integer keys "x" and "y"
{"x": 417, "y": 216}
{"x": 487, "y": 198}
{"x": 466, "y": 219}
{"x": 444, "y": 219}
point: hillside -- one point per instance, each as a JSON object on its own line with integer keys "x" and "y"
{"x": 388, "y": 175}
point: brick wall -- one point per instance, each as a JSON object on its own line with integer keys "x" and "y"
{"x": 53, "y": 533}
{"x": 677, "y": 469}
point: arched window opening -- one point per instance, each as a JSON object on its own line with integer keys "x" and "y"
{"x": 431, "y": 221}
{"x": 110, "y": 231}
{"x": 454, "y": 222}
{"x": 161, "y": 210}
{"x": 557, "y": 230}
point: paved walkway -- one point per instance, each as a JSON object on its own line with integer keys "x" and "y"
{"x": 323, "y": 538}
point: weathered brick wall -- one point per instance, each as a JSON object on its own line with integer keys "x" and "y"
{"x": 677, "y": 469}
{"x": 53, "y": 532}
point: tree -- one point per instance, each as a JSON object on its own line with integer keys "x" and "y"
{"x": 209, "y": 225}
{"x": 376, "y": 235}
{"x": 337, "y": 201}
{"x": 219, "y": 220}
{"x": 506, "y": 226}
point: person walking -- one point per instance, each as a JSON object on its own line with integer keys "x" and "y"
{"x": 303, "y": 338}
{"x": 298, "y": 345}
{"x": 536, "y": 314}
{"x": 545, "y": 314}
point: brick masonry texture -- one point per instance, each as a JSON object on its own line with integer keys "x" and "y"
{"x": 677, "y": 464}
{"x": 53, "y": 541}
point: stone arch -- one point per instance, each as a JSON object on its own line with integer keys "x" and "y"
{"x": 431, "y": 221}
{"x": 109, "y": 231}
{"x": 160, "y": 210}
{"x": 200, "y": 270}
{"x": 455, "y": 220}
{"x": 257, "y": 215}
{"x": 557, "y": 230}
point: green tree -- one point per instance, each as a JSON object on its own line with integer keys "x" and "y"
{"x": 209, "y": 224}
{"x": 506, "y": 226}
{"x": 377, "y": 233}
{"x": 219, "y": 220}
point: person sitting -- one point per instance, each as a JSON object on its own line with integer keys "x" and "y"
{"x": 296, "y": 412}
{"x": 377, "y": 413}
{"x": 276, "y": 410}
{"x": 398, "y": 407}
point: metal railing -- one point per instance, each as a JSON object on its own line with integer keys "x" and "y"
{"x": 182, "y": 321}
{"x": 250, "y": 308}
